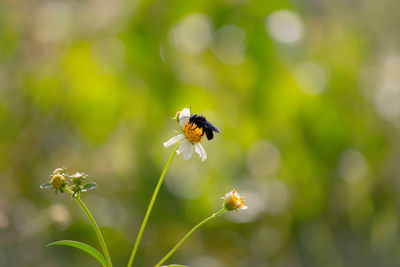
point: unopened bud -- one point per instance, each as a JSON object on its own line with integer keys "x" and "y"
{"x": 233, "y": 201}
{"x": 58, "y": 181}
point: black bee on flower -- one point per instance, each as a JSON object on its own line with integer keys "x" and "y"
{"x": 193, "y": 128}
{"x": 201, "y": 122}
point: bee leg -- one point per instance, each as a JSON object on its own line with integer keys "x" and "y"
{"x": 209, "y": 134}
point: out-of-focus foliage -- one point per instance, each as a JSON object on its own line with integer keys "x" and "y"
{"x": 305, "y": 93}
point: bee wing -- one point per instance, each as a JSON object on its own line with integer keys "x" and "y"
{"x": 211, "y": 127}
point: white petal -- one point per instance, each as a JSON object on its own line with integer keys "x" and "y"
{"x": 186, "y": 148}
{"x": 200, "y": 150}
{"x": 243, "y": 207}
{"x": 174, "y": 140}
{"x": 228, "y": 196}
{"x": 184, "y": 113}
{"x": 184, "y": 116}
{"x": 204, "y": 157}
{"x": 181, "y": 147}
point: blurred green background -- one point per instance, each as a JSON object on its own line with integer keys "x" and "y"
{"x": 306, "y": 94}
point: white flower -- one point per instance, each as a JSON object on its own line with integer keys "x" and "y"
{"x": 191, "y": 136}
{"x": 233, "y": 201}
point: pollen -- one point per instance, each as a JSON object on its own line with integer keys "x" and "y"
{"x": 192, "y": 133}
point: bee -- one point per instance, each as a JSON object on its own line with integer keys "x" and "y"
{"x": 201, "y": 122}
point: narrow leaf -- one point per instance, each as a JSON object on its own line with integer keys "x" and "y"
{"x": 46, "y": 185}
{"x": 89, "y": 187}
{"x": 82, "y": 246}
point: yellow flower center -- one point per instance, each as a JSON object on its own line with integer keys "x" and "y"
{"x": 236, "y": 202}
{"x": 193, "y": 134}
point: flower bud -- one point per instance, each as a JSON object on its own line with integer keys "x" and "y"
{"x": 177, "y": 116}
{"x": 233, "y": 201}
{"x": 78, "y": 178}
{"x": 58, "y": 181}
{"x": 59, "y": 171}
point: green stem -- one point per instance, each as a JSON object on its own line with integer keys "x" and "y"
{"x": 188, "y": 234}
{"x": 94, "y": 226}
{"x": 150, "y": 207}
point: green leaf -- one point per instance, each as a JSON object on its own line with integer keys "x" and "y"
{"x": 46, "y": 185}
{"x": 89, "y": 187}
{"x": 174, "y": 265}
{"x": 82, "y": 246}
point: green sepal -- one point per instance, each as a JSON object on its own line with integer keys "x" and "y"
{"x": 82, "y": 246}
{"x": 89, "y": 187}
{"x": 46, "y": 185}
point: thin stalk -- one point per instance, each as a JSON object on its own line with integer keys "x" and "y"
{"x": 188, "y": 234}
{"x": 94, "y": 226}
{"x": 150, "y": 207}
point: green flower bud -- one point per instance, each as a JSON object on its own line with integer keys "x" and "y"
{"x": 78, "y": 178}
